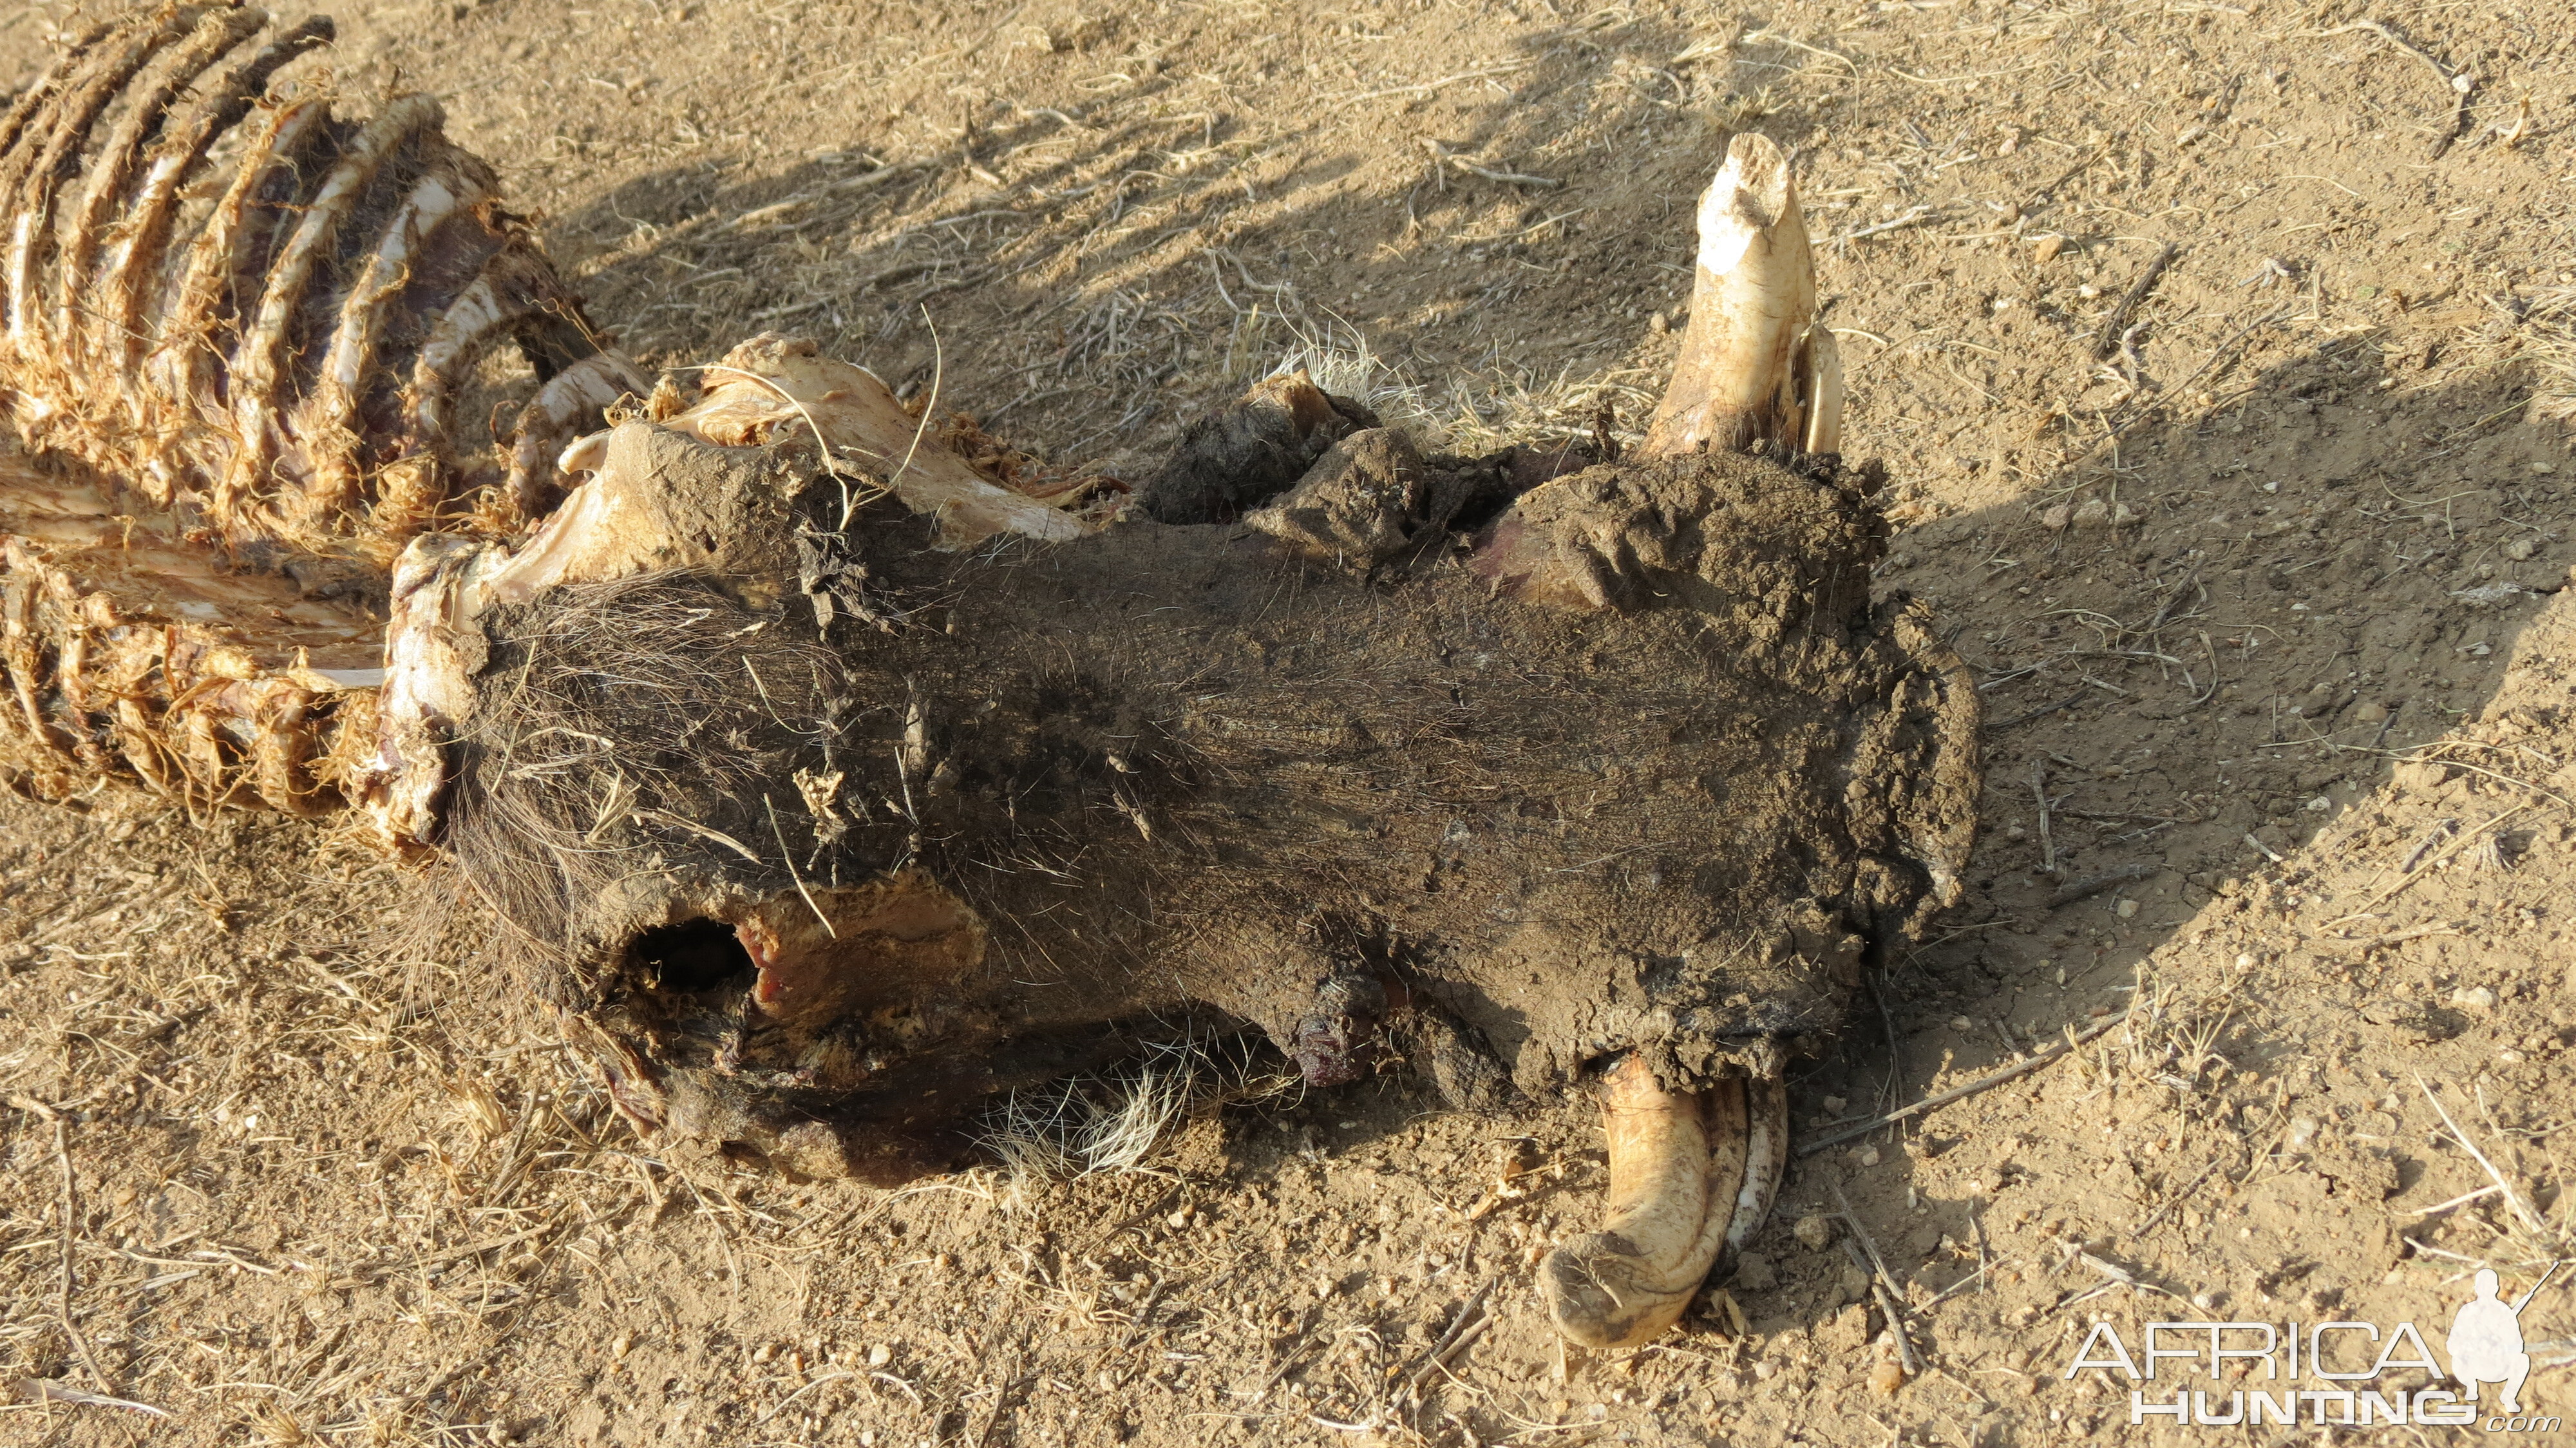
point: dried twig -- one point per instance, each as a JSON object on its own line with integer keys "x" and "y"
{"x": 2069, "y": 702}
{"x": 1986, "y": 1082}
{"x": 2368, "y": 943}
{"x": 2460, "y": 83}
{"x": 2096, "y": 884}
{"x": 2512, "y": 1198}
{"x": 2047, "y": 845}
{"x": 1882, "y": 1286}
{"x": 2107, "y": 340}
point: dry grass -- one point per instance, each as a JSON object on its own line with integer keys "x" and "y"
{"x": 2553, "y": 350}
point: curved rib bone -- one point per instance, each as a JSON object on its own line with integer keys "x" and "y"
{"x": 1678, "y": 1168}
{"x": 227, "y": 346}
{"x": 134, "y": 270}
{"x": 256, "y": 393}
{"x": 123, "y": 154}
{"x": 29, "y": 174}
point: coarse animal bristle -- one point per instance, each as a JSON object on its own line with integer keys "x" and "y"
{"x": 1119, "y": 1118}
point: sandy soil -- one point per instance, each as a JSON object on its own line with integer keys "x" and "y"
{"x": 2262, "y": 567}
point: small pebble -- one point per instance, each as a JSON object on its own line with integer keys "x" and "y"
{"x": 1814, "y": 1231}
{"x": 1962, "y": 1023}
{"x": 1885, "y": 1378}
{"x": 1868, "y": 1156}
{"x": 2126, "y": 909}
{"x": 2371, "y": 711}
{"x": 2521, "y": 549}
{"x": 2475, "y": 997}
{"x": 2047, "y": 250}
{"x": 1659, "y": 324}
{"x": 880, "y": 1355}
{"x": 1834, "y": 1105}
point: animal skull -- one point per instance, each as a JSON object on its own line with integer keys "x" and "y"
{"x": 836, "y": 771}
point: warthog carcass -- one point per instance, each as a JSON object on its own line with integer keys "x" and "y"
{"x": 838, "y": 772}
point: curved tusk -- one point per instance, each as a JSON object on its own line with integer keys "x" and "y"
{"x": 1751, "y": 360}
{"x": 1821, "y": 378}
{"x": 1766, "y": 1156}
{"x": 1678, "y": 1174}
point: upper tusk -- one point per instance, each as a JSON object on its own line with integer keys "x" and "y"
{"x": 1751, "y": 358}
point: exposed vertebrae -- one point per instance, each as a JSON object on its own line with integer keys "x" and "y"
{"x": 258, "y": 313}
{"x": 252, "y": 318}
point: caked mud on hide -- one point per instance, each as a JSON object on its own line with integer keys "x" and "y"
{"x": 1639, "y": 767}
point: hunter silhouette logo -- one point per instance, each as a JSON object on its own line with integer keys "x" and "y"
{"x": 2337, "y": 1374}
{"x": 2486, "y": 1340}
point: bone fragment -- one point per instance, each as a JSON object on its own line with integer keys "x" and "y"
{"x": 770, "y": 389}
{"x": 1755, "y": 367}
{"x": 1678, "y": 1171}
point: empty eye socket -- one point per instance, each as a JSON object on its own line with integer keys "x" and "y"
{"x": 694, "y": 955}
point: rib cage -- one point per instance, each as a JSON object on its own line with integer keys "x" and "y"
{"x": 247, "y": 318}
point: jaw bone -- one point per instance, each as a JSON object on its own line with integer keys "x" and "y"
{"x": 1692, "y": 1174}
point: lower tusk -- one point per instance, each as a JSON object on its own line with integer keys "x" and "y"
{"x": 1766, "y": 1156}
{"x": 1681, "y": 1167}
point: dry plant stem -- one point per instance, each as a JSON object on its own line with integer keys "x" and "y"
{"x": 2513, "y": 1199}
{"x": 1677, "y": 1166}
{"x": 2107, "y": 340}
{"x": 2459, "y": 83}
{"x": 1881, "y": 1285}
{"x": 1987, "y": 1082}
{"x": 71, "y": 1216}
{"x": 2047, "y": 846}
{"x": 2092, "y": 885}
{"x": 1747, "y": 372}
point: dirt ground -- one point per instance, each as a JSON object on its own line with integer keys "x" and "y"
{"x": 2261, "y": 562}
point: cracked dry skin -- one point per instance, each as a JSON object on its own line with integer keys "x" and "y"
{"x": 1639, "y": 765}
